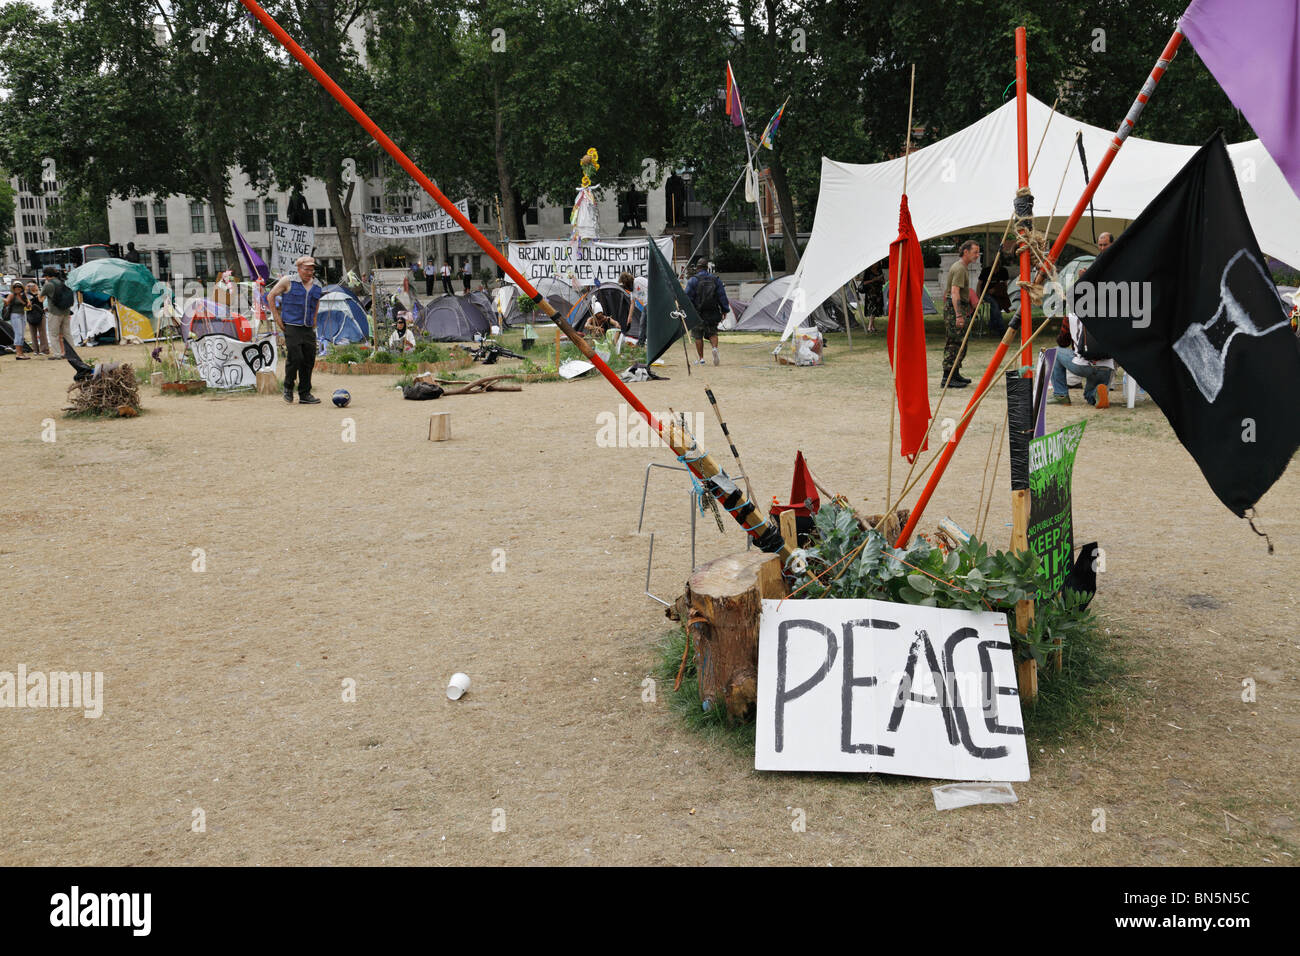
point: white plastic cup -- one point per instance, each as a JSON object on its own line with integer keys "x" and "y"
{"x": 458, "y": 686}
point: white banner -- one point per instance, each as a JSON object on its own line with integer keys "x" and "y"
{"x": 229, "y": 363}
{"x": 601, "y": 260}
{"x": 413, "y": 227}
{"x": 876, "y": 687}
{"x": 288, "y": 243}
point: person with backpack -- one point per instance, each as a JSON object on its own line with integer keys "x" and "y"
{"x": 58, "y": 300}
{"x": 15, "y": 312}
{"x": 34, "y": 312}
{"x": 709, "y": 296}
{"x": 1077, "y": 354}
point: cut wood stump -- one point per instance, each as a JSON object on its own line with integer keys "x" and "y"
{"x": 724, "y": 599}
{"x": 157, "y": 378}
{"x": 266, "y": 384}
{"x": 440, "y": 426}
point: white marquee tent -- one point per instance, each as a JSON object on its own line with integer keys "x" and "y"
{"x": 966, "y": 183}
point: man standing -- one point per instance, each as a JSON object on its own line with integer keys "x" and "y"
{"x": 59, "y": 300}
{"x": 131, "y": 254}
{"x": 956, "y": 311}
{"x": 430, "y": 271}
{"x": 294, "y": 303}
{"x": 709, "y": 296}
{"x": 1104, "y": 241}
{"x": 446, "y": 278}
{"x": 466, "y": 274}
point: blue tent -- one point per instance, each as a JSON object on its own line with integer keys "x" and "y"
{"x": 341, "y": 318}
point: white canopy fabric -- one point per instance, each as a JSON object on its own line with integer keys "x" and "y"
{"x": 966, "y": 183}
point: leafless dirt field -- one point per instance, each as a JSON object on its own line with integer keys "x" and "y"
{"x": 371, "y": 561}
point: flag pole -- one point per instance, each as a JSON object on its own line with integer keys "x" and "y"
{"x": 749, "y": 514}
{"x": 749, "y": 153}
{"x": 1125, "y": 127}
{"x": 1022, "y": 163}
{"x": 893, "y": 326}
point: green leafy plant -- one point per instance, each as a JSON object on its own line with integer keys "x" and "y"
{"x": 847, "y": 562}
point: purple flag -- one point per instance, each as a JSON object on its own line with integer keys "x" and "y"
{"x": 1253, "y": 49}
{"x": 257, "y": 267}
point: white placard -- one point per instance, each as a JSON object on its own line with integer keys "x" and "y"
{"x": 874, "y": 687}
{"x": 229, "y": 363}
{"x": 287, "y": 244}
{"x": 433, "y": 223}
{"x": 597, "y": 261}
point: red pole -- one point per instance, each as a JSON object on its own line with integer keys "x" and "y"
{"x": 1125, "y": 127}
{"x": 1022, "y": 159}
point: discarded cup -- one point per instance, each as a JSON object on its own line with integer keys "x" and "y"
{"x": 458, "y": 686}
{"x": 954, "y": 795}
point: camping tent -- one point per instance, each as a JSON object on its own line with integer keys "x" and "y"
{"x": 769, "y": 310}
{"x": 340, "y": 319}
{"x": 966, "y": 182}
{"x": 454, "y": 318}
{"x": 615, "y": 302}
{"x": 206, "y": 317}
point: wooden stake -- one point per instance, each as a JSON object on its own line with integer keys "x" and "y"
{"x": 440, "y": 426}
{"x": 789, "y": 526}
{"x": 1020, "y": 503}
{"x": 1027, "y": 678}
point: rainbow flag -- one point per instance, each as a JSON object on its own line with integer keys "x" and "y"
{"x": 772, "y": 124}
{"x": 733, "y": 98}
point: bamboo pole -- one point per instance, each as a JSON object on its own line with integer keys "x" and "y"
{"x": 748, "y": 513}
{"x": 1020, "y": 501}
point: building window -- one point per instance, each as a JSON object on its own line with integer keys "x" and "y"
{"x": 530, "y": 214}
{"x": 200, "y": 263}
{"x": 159, "y": 220}
{"x": 374, "y": 167}
{"x": 164, "y": 262}
{"x": 218, "y": 261}
{"x": 252, "y": 217}
{"x": 333, "y": 224}
{"x": 272, "y": 210}
{"x": 141, "y": 218}
{"x": 196, "y": 217}
{"x": 376, "y": 203}
{"x": 408, "y": 205}
{"x": 212, "y": 219}
{"x": 320, "y": 218}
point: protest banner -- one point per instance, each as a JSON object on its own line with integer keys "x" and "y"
{"x": 433, "y": 223}
{"x": 1051, "y": 516}
{"x": 287, "y": 244}
{"x": 591, "y": 263}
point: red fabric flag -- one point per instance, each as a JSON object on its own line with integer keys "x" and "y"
{"x": 906, "y": 272}
{"x": 802, "y": 489}
{"x": 734, "y": 109}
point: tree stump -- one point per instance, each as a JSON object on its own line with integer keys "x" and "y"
{"x": 440, "y": 426}
{"x": 266, "y": 383}
{"x": 724, "y": 598}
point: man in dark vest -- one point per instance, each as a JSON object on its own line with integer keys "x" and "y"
{"x": 294, "y": 303}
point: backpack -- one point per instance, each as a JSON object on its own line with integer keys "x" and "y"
{"x": 1087, "y": 348}
{"x": 63, "y": 297}
{"x": 707, "y": 291}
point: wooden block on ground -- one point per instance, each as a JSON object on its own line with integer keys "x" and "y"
{"x": 725, "y": 598}
{"x": 1027, "y": 678}
{"x": 440, "y": 426}
{"x": 266, "y": 384}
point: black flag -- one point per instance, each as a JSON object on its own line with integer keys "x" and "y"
{"x": 1183, "y": 300}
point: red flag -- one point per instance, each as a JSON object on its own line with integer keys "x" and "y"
{"x": 802, "y": 489}
{"x": 906, "y": 272}
{"x": 734, "y": 109}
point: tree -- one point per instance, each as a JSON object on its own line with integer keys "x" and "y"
{"x": 78, "y": 219}
{"x": 8, "y": 200}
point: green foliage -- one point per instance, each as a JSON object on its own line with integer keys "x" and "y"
{"x": 847, "y": 562}
{"x": 733, "y": 257}
{"x": 429, "y": 352}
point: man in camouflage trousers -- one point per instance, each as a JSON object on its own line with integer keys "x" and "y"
{"x": 958, "y": 308}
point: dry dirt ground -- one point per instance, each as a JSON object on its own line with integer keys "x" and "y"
{"x": 371, "y": 561}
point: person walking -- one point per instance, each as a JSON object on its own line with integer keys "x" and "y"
{"x": 430, "y": 273}
{"x": 446, "y": 278}
{"x": 958, "y": 307}
{"x": 709, "y": 296}
{"x": 294, "y": 303}
{"x": 58, "y": 300}
{"x": 466, "y": 275}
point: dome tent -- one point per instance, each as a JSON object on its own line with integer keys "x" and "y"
{"x": 769, "y": 310}
{"x": 614, "y": 302}
{"x": 452, "y": 318}
{"x": 340, "y": 319}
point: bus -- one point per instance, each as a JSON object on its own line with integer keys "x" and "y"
{"x": 69, "y": 257}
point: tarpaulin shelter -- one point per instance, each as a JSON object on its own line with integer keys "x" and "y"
{"x": 454, "y": 318}
{"x": 128, "y": 282}
{"x": 965, "y": 183}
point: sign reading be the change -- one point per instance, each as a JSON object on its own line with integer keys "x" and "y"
{"x": 874, "y": 687}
